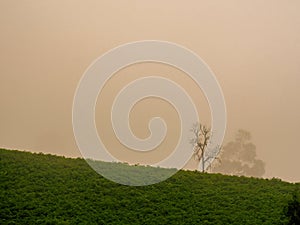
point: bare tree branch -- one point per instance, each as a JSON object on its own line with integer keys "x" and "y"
{"x": 202, "y": 135}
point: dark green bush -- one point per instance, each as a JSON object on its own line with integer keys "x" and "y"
{"x": 293, "y": 210}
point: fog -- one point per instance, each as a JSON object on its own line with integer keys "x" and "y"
{"x": 253, "y": 47}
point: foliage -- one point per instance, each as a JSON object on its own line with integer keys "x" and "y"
{"x": 238, "y": 157}
{"x": 46, "y": 189}
{"x": 293, "y": 209}
{"x": 136, "y": 175}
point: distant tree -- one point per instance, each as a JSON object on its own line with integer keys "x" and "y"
{"x": 202, "y": 135}
{"x": 238, "y": 157}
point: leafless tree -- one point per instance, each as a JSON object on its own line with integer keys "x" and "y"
{"x": 202, "y": 135}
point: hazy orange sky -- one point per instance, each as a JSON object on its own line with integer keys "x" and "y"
{"x": 253, "y": 47}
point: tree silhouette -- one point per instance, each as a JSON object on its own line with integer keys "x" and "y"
{"x": 238, "y": 157}
{"x": 201, "y": 139}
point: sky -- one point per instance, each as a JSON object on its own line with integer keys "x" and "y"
{"x": 253, "y": 48}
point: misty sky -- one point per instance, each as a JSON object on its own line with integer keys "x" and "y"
{"x": 253, "y": 47}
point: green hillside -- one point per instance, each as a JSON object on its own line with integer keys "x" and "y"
{"x": 46, "y": 189}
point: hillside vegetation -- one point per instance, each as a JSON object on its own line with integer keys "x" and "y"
{"x": 47, "y": 189}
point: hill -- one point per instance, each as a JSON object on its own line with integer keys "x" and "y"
{"x": 47, "y": 189}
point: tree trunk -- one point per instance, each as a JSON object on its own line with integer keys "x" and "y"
{"x": 202, "y": 157}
